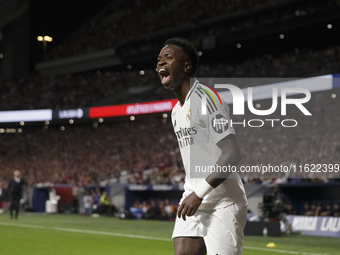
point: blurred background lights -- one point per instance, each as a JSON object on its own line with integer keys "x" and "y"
{"x": 22, "y": 123}
{"x": 19, "y": 130}
{"x": 141, "y": 72}
{"x": 71, "y": 121}
{"x": 258, "y": 105}
{"x": 282, "y": 36}
{"x": 132, "y": 118}
{"x": 329, "y": 26}
{"x": 101, "y": 120}
{"x": 62, "y": 128}
{"x": 47, "y": 38}
{"x": 47, "y": 122}
{"x": 1, "y": 56}
{"x": 165, "y": 115}
{"x": 333, "y": 95}
{"x": 200, "y": 53}
{"x": 238, "y": 45}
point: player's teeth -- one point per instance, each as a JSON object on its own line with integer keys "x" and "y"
{"x": 161, "y": 70}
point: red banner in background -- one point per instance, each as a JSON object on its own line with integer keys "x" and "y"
{"x": 132, "y": 109}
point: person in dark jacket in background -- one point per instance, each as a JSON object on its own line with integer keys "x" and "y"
{"x": 15, "y": 192}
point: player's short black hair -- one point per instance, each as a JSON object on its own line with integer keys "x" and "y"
{"x": 188, "y": 48}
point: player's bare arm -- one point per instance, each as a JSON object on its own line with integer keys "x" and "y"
{"x": 230, "y": 155}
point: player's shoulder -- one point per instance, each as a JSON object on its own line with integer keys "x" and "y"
{"x": 201, "y": 90}
{"x": 206, "y": 94}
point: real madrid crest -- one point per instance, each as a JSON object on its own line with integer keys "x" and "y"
{"x": 188, "y": 117}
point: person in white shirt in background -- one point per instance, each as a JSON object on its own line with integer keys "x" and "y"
{"x": 88, "y": 202}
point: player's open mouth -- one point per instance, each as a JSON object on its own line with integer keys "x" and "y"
{"x": 165, "y": 76}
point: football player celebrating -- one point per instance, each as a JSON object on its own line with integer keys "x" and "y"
{"x": 213, "y": 209}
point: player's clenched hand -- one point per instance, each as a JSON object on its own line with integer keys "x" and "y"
{"x": 189, "y": 206}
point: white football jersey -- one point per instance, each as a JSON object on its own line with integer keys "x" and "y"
{"x": 198, "y": 131}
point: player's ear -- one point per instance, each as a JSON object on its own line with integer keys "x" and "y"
{"x": 187, "y": 67}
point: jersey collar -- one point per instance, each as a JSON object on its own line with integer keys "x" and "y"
{"x": 192, "y": 88}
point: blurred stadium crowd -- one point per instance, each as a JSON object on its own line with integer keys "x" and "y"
{"x": 86, "y": 89}
{"x": 88, "y": 155}
{"x": 122, "y": 20}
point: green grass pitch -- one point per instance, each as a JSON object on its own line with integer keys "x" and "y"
{"x": 41, "y": 234}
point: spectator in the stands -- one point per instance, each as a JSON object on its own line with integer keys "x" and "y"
{"x": 281, "y": 202}
{"x": 318, "y": 209}
{"x": 137, "y": 210}
{"x": 281, "y": 206}
{"x": 76, "y": 196}
{"x": 105, "y": 204}
{"x": 328, "y": 211}
{"x": 144, "y": 207}
{"x": 153, "y": 211}
{"x": 163, "y": 214}
{"x": 336, "y": 210}
{"x": 312, "y": 209}
{"x": 96, "y": 199}
{"x": 88, "y": 203}
{"x": 306, "y": 208}
{"x": 169, "y": 208}
{"x": 290, "y": 209}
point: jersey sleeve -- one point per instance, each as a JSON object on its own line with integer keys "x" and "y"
{"x": 216, "y": 117}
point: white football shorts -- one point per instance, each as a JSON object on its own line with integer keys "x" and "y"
{"x": 221, "y": 229}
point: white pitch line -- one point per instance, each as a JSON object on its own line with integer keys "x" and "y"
{"x": 111, "y": 234}
{"x": 85, "y": 231}
{"x": 139, "y": 237}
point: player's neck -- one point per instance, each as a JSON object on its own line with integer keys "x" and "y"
{"x": 182, "y": 91}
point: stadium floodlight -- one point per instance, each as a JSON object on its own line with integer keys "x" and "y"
{"x": 44, "y": 39}
{"x": 47, "y": 38}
